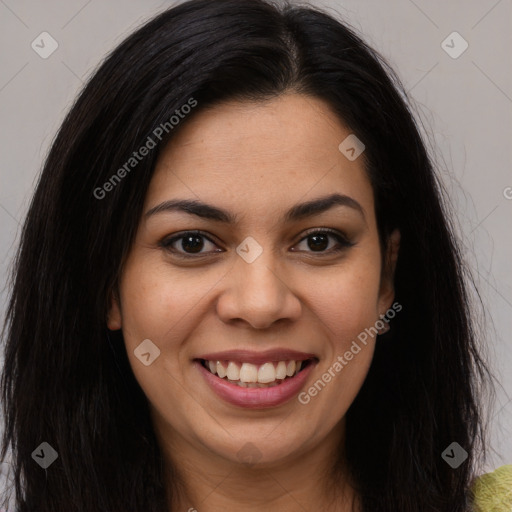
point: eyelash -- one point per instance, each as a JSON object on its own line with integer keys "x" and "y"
{"x": 343, "y": 243}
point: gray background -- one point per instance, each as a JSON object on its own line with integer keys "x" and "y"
{"x": 464, "y": 103}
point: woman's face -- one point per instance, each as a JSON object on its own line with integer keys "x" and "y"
{"x": 254, "y": 284}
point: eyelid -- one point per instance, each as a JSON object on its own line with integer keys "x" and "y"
{"x": 330, "y": 231}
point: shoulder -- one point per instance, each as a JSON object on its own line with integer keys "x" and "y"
{"x": 493, "y": 491}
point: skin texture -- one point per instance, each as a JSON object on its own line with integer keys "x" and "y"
{"x": 255, "y": 160}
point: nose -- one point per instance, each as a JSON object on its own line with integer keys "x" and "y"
{"x": 257, "y": 294}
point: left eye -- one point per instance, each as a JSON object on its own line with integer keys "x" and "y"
{"x": 192, "y": 242}
{"x": 318, "y": 241}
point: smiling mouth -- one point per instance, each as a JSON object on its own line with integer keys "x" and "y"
{"x": 248, "y": 375}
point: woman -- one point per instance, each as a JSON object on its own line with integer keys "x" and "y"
{"x": 237, "y": 286}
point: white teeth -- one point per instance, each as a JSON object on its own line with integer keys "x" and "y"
{"x": 251, "y": 375}
{"x": 281, "y": 370}
{"x": 248, "y": 373}
{"x": 221, "y": 371}
{"x": 266, "y": 373}
{"x": 233, "y": 372}
{"x": 290, "y": 368}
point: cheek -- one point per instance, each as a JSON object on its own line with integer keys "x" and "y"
{"x": 157, "y": 307}
{"x": 346, "y": 301}
{"x": 347, "y": 305}
{"x": 156, "y": 303}
{"x": 163, "y": 308}
{"x": 148, "y": 310}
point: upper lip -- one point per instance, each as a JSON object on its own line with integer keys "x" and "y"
{"x": 250, "y": 356}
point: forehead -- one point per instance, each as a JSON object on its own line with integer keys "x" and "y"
{"x": 258, "y": 155}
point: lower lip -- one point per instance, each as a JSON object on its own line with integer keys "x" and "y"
{"x": 256, "y": 398}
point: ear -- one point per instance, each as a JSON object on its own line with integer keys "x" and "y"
{"x": 387, "y": 286}
{"x": 114, "y": 312}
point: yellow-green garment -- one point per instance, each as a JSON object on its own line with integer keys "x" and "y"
{"x": 493, "y": 491}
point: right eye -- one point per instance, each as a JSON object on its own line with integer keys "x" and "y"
{"x": 190, "y": 242}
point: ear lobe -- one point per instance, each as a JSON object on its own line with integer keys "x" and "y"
{"x": 387, "y": 289}
{"x": 114, "y": 313}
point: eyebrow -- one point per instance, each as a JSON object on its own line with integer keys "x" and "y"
{"x": 295, "y": 213}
